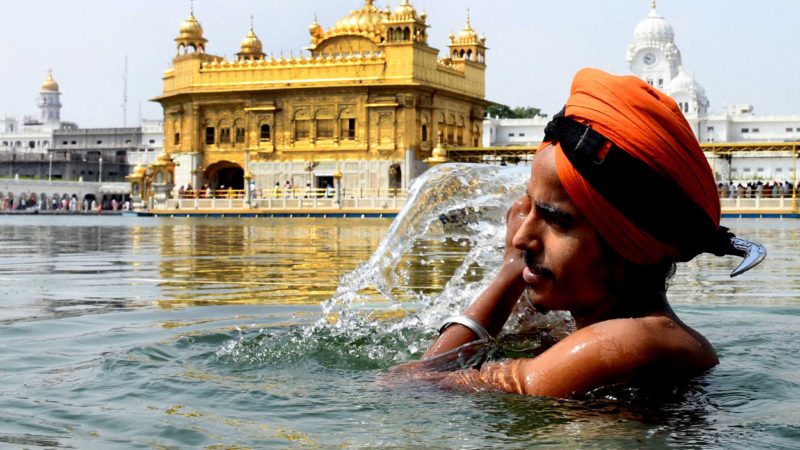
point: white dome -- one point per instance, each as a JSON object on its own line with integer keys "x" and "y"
{"x": 685, "y": 83}
{"x": 653, "y": 28}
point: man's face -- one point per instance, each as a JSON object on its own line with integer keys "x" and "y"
{"x": 566, "y": 264}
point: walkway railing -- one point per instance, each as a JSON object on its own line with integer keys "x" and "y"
{"x": 290, "y": 199}
{"x": 763, "y": 203}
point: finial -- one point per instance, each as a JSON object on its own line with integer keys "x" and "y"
{"x": 370, "y": 2}
{"x": 315, "y": 18}
{"x": 251, "y": 22}
{"x": 653, "y": 4}
{"x": 469, "y": 25}
{"x": 191, "y": 8}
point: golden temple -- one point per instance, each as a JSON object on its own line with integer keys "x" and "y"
{"x": 366, "y": 104}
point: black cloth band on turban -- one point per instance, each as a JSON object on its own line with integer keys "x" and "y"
{"x": 650, "y": 201}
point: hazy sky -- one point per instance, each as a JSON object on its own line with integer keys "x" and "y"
{"x": 740, "y": 51}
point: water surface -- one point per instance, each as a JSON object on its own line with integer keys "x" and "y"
{"x": 159, "y": 333}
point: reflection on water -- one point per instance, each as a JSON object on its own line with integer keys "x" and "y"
{"x": 66, "y": 266}
{"x": 294, "y": 261}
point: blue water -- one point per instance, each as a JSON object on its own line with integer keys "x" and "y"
{"x": 124, "y": 333}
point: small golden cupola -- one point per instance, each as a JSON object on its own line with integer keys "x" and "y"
{"x": 251, "y": 46}
{"x": 467, "y": 45}
{"x": 316, "y": 31}
{"x": 406, "y": 26}
{"x": 190, "y": 39}
{"x": 49, "y": 85}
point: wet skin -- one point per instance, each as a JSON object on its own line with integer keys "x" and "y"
{"x": 623, "y": 334}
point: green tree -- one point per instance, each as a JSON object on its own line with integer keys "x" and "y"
{"x": 519, "y": 112}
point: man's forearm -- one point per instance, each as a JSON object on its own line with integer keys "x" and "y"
{"x": 491, "y": 310}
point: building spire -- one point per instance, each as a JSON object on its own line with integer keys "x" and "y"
{"x": 191, "y": 8}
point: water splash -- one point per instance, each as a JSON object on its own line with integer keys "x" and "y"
{"x": 450, "y": 201}
{"x": 465, "y": 202}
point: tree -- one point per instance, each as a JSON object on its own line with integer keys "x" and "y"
{"x": 520, "y": 112}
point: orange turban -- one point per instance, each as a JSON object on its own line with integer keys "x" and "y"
{"x": 646, "y": 186}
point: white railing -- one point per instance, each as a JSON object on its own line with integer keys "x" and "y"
{"x": 294, "y": 199}
{"x": 758, "y": 203}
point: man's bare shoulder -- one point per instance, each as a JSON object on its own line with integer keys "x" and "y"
{"x": 618, "y": 351}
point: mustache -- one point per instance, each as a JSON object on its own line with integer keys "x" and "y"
{"x": 537, "y": 268}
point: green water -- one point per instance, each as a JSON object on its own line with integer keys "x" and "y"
{"x": 124, "y": 333}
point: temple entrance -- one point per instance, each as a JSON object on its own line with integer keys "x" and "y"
{"x": 224, "y": 175}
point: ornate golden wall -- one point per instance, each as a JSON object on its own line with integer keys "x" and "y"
{"x": 372, "y": 89}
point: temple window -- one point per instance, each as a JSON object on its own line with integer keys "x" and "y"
{"x": 424, "y": 133}
{"x": 349, "y": 129}
{"x": 239, "y": 135}
{"x": 224, "y": 135}
{"x": 325, "y": 128}
{"x": 264, "y": 135}
{"x": 177, "y": 139}
{"x": 210, "y": 135}
{"x": 302, "y": 129}
{"x": 406, "y": 34}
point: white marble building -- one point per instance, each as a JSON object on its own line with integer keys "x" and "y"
{"x": 45, "y": 146}
{"x": 31, "y": 134}
{"x": 654, "y": 56}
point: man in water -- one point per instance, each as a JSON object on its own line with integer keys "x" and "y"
{"x": 582, "y": 240}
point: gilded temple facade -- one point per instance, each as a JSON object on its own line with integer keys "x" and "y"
{"x": 368, "y": 102}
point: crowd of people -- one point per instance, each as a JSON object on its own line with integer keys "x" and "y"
{"x": 65, "y": 203}
{"x": 757, "y": 189}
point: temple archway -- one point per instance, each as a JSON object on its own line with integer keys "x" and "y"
{"x": 224, "y": 173}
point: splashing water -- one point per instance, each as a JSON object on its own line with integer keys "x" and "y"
{"x": 465, "y": 202}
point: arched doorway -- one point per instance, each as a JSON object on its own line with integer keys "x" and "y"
{"x": 224, "y": 173}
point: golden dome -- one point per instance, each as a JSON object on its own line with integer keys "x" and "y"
{"x": 191, "y": 29}
{"x": 405, "y": 9}
{"x": 251, "y": 44}
{"x": 164, "y": 159}
{"x": 315, "y": 29}
{"x": 368, "y": 20}
{"x": 50, "y": 84}
{"x": 467, "y": 34}
{"x": 139, "y": 171}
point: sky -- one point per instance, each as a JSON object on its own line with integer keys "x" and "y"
{"x": 740, "y": 51}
